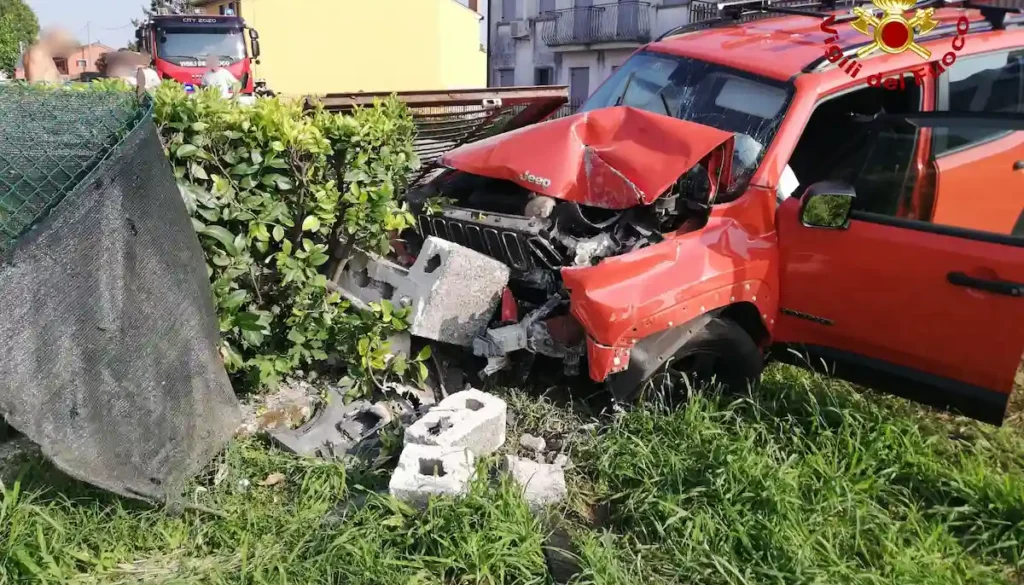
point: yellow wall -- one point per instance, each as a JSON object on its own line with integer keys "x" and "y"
{"x": 331, "y": 46}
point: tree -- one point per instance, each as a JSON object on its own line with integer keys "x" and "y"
{"x": 19, "y": 28}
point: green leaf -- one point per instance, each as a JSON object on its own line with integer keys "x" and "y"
{"x": 278, "y": 233}
{"x": 310, "y": 224}
{"x": 424, "y": 354}
{"x": 200, "y": 126}
{"x": 285, "y": 184}
{"x": 248, "y": 322}
{"x": 235, "y": 299}
{"x": 198, "y": 172}
{"x": 186, "y": 151}
{"x": 226, "y": 238}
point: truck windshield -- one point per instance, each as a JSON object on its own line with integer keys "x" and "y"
{"x": 705, "y": 93}
{"x": 196, "y": 43}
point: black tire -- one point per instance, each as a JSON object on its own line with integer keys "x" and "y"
{"x": 720, "y": 355}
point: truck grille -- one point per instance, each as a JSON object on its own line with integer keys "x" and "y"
{"x": 513, "y": 241}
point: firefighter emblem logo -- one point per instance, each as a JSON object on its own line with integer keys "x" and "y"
{"x": 893, "y": 32}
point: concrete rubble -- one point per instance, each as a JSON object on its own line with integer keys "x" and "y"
{"x": 462, "y": 427}
{"x": 471, "y": 419}
{"x": 543, "y": 484}
{"x": 453, "y": 290}
{"x": 535, "y": 444}
{"x": 426, "y": 470}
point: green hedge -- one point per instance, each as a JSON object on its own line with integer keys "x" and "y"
{"x": 277, "y": 195}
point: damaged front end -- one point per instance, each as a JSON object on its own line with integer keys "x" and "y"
{"x": 511, "y": 213}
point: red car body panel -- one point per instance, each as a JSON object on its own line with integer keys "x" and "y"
{"x": 626, "y": 298}
{"x": 614, "y": 158}
{"x": 901, "y": 309}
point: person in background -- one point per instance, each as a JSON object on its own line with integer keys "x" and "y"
{"x": 39, "y": 65}
{"x": 125, "y": 64}
{"x": 219, "y": 77}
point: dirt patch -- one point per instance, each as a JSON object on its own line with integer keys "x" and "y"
{"x": 287, "y": 407}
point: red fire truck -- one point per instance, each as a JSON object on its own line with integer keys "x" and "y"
{"x": 180, "y": 44}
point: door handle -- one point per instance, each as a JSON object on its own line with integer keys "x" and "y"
{"x": 999, "y": 287}
{"x": 1019, "y": 165}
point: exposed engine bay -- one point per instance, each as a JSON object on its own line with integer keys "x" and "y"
{"x": 536, "y": 236}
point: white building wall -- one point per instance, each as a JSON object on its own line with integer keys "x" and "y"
{"x": 525, "y": 55}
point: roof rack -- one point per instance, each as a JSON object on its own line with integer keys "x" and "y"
{"x": 705, "y": 14}
{"x": 994, "y": 12}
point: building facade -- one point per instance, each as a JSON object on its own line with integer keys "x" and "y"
{"x": 578, "y": 43}
{"x": 72, "y": 66}
{"x": 332, "y": 46}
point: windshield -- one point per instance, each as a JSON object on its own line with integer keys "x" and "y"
{"x": 228, "y": 44}
{"x": 704, "y": 93}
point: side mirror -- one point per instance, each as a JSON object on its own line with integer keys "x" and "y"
{"x": 827, "y": 205}
{"x": 255, "y": 49}
{"x": 138, "y": 34}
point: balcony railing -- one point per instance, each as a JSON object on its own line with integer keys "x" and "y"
{"x": 620, "y": 22}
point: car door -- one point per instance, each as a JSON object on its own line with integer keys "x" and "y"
{"x": 918, "y": 307}
{"x": 989, "y": 82}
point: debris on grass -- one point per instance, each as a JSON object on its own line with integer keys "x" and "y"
{"x": 535, "y": 444}
{"x": 337, "y": 429}
{"x": 426, "y": 470}
{"x": 273, "y": 479}
{"x": 543, "y": 484}
{"x": 287, "y": 407}
{"x": 471, "y": 419}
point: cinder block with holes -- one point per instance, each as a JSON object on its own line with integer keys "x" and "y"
{"x": 471, "y": 419}
{"x": 453, "y": 290}
{"x": 425, "y": 470}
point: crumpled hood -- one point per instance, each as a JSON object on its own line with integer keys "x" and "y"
{"x": 613, "y": 158}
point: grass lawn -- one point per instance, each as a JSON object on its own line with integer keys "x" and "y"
{"x": 810, "y": 482}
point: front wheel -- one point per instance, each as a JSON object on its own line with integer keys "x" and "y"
{"x": 720, "y": 356}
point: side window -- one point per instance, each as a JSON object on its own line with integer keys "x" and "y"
{"x": 984, "y": 83}
{"x": 899, "y": 179}
{"x": 840, "y": 142}
{"x": 886, "y": 174}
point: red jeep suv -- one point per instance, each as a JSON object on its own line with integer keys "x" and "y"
{"x": 771, "y": 181}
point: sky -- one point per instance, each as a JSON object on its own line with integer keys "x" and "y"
{"x": 105, "y": 21}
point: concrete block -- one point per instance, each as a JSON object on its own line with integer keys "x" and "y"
{"x": 471, "y": 419}
{"x": 424, "y": 471}
{"x": 453, "y": 290}
{"x": 542, "y": 484}
{"x": 459, "y": 291}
